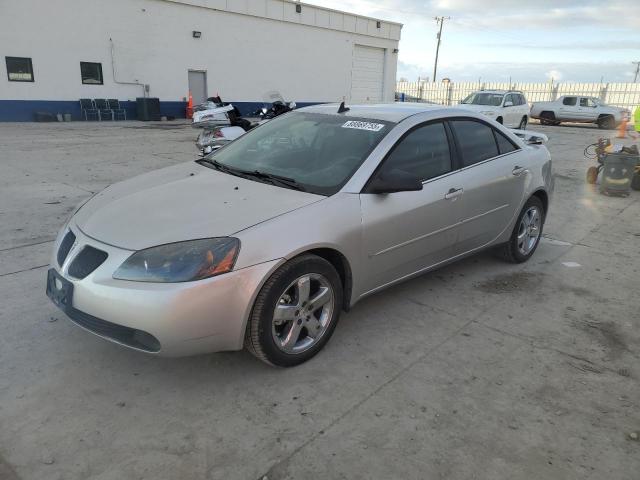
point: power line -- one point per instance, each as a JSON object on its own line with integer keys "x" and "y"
{"x": 439, "y": 20}
{"x": 637, "y": 64}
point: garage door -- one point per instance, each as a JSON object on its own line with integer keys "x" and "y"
{"x": 367, "y": 74}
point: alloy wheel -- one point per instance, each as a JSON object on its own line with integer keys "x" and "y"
{"x": 303, "y": 313}
{"x": 529, "y": 230}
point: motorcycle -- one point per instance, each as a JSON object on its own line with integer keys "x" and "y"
{"x": 222, "y": 122}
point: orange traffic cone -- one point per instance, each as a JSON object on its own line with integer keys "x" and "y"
{"x": 190, "y": 106}
{"x": 622, "y": 130}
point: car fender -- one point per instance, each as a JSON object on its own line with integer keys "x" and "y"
{"x": 334, "y": 223}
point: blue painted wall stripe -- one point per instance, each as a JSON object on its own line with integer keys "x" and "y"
{"x": 25, "y": 110}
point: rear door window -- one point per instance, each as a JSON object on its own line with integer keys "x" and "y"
{"x": 476, "y": 140}
{"x": 587, "y": 102}
{"x": 569, "y": 101}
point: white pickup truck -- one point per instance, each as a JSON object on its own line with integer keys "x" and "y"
{"x": 574, "y": 108}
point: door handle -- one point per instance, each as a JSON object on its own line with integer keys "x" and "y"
{"x": 517, "y": 171}
{"x": 453, "y": 193}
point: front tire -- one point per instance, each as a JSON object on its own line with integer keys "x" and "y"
{"x": 606, "y": 122}
{"x": 296, "y": 312}
{"x": 526, "y": 233}
{"x": 523, "y": 124}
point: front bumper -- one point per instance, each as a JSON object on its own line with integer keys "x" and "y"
{"x": 183, "y": 318}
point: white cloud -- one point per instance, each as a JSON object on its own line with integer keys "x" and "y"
{"x": 554, "y": 75}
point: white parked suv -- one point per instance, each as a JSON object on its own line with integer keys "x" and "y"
{"x": 508, "y": 107}
{"x": 572, "y": 108}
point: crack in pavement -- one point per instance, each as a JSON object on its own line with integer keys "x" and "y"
{"x": 27, "y": 245}
{"x": 25, "y": 270}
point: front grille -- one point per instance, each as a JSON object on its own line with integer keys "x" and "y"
{"x": 86, "y": 262}
{"x": 65, "y": 245}
{"x": 127, "y": 336}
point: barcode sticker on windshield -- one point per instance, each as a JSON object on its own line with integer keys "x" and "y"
{"x": 373, "y": 127}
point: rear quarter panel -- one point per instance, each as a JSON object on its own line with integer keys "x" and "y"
{"x": 539, "y": 178}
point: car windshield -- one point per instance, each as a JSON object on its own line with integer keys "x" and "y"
{"x": 492, "y": 99}
{"x": 313, "y": 152}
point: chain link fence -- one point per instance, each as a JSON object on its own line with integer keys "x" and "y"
{"x": 625, "y": 95}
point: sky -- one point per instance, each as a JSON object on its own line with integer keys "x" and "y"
{"x": 525, "y": 41}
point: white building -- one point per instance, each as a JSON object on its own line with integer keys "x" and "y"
{"x": 56, "y": 52}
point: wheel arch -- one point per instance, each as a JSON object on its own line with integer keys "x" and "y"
{"x": 544, "y": 198}
{"x": 342, "y": 266}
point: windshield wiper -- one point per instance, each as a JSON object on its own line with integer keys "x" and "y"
{"x": 277, "y": 179}
{"x": 269, "y": 177}
{"x": 224, "y": 168}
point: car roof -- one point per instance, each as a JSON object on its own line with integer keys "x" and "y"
{"x": 497, "y": 91}
{"x": 388, "y": 112}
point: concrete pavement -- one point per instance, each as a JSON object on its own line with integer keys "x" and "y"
{"x": 482, "y": 370}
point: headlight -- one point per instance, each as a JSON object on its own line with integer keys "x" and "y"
{"x": 181, "y": 262}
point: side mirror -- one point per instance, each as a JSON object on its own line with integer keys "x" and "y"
{"x": 394, "y": 181}
{"x": 508, "y": 104}
{"x": 533, "y": 140}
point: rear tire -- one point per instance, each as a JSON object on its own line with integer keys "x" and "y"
{"x": 526, "y": 234}
{"x": 548, "y": 118}
{"x": 306, "y": 315}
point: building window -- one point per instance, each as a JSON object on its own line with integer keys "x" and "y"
{"x": 91, "y": 73}
{"x": 19, "y": 69}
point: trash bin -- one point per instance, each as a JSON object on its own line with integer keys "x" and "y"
{"x": 617, "y": 173}
{"x": 148, "y": 108}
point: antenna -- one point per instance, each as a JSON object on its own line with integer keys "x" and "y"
{"x": 342, "y": 108}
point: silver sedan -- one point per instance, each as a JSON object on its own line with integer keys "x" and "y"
{"x": 263, "y": 243}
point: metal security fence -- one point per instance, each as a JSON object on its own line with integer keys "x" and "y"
{"x": 625, "y": 95}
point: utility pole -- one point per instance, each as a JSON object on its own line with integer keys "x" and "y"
{"x": 439, "y": 20}
{"x": 637, "y": 64}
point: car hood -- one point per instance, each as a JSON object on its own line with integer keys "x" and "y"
{"x": 182, "y": 202}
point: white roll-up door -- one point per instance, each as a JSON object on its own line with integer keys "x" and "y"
{"x": 367, "y": 74}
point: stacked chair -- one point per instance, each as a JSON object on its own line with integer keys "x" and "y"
{"x": 102, "y": 109}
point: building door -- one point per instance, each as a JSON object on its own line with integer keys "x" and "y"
{"x": 367, "y": 74}
{"x": 198, "y": 86}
